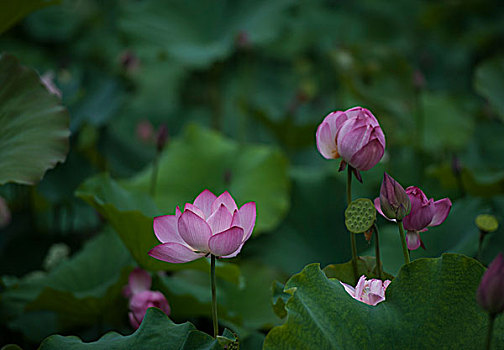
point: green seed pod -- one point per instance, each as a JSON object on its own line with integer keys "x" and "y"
{"x": 360, "y": 215}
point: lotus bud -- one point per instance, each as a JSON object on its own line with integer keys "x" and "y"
{"x": 490, "y": 294}
{"x": 394, "y": 201}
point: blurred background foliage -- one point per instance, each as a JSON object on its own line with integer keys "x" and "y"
{"x": 241, "y": 86}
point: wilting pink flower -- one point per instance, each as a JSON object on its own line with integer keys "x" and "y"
{"x": 424, "y": 213}
{"x": 141, "y": 297}
{"x": 490, "y": 294}
{"x": 393, "y": 200}
{"x": 211, "y": 225}
{"x": 370, "y": 291}
{"x": 354, "y": 135}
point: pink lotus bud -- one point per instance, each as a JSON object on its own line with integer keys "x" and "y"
{"x": 490, "y": 294}
{"x": 370, "y": 291}
{"x": 162, "y": 137}
{"x": 424, "y": 213}
{"x": 354, "y": 135}
{"x": 145, "y": 131}
{"x": 140, "y": 302}
{"x": 394, "y": 202}
{"x": 211, "y": 225}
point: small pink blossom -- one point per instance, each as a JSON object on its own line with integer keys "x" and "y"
{"x": 424, "y": 213}
{"x": 210, "y": 225}
{"x": 141, "y": 297}
{"x": 370, "y": 292}
{"x": 354, "y": 135}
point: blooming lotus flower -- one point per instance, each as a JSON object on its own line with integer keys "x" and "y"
{"x": 490, "y": 294}
{"x": 354, "y": 135}
{"x": 210, "y": 225}
{"x": 141, "y": 297}
{"x": 424, "y": 213}
{"x": 370, "y": 291}
{"x": 394, "y": 202}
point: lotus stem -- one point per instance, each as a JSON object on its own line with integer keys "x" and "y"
{"x": 214, "y": 297}
{"x": 491, "y": 319}
{"x": 377, "y": 252}
{"x": 352, "y": 235}
{"x": 403, "y": 241}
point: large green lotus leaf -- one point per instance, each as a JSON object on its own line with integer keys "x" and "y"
{"x": 198, "y": 35}
{"x": 131, "y": 215}
{"x": 203, "y": 159}
{"x": 13, "y": 11}
{"x": 157, "y": 331}
{"x": 431, "y": 304}
{"x": 33, "y": 125}
{"x": 489, "y": 82}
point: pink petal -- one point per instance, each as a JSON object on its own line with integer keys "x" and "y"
{"x": 236, "y": 219}
{"x": 248, "y": 218}
{"x": 378, "y": 209}
{"x": 174, "y": 253}
{"x": 441, "y": 209}
{"x": 373, "y": 299}
{"x": 227, "y": 242}
{"x": 326, "y": 141}
{"x": 204, "y": 202}
{"x": 360, "y": 287}
{"x": 352, "y": 136}
{"x": 166, "y": 228}
{"x": 368, "y": 156}
{"x": 139, "y": 280}
{"x": 349, "y": 289}
{"x": 194, "y": 231}
{"x": 220, "y": 220}
{"x": 195, "y": 210}
{"x": 225, "y": 199}
{"x": 412, "y": 240}
{"x": 133, "y": 321}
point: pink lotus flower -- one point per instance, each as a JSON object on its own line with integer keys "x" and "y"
{"x": 142, "y": 298}
{"x": 211, "y": 225}
{"x": 370, "y": 291}
{"x": 354, "y": 135}
{"x": 490, "y": 294}
{"x": 424, "y": 213}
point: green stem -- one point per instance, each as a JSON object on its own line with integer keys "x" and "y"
{"x": 403, "y": 241}
{"x": 352, "y": 235}
{"x": 214, "y": 297}
{"x": 154, "y": 174}
{"x": 377, "y": 252}
{"x": 491, "y": 319}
